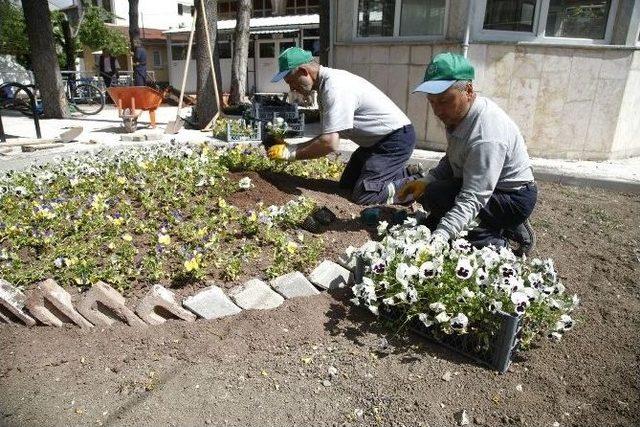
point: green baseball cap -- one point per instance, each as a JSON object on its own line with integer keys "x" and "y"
{"x": 289, "y": 60}
{"x": 443, "y": 71}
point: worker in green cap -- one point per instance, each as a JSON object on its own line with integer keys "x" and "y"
{"x": 353, "y": 108}
{"x": 486, "y": 172}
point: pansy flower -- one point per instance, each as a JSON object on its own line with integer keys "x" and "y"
{"x": 464, "y": 270}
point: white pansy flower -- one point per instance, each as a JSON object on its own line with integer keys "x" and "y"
{"x": 442, "y": 317}
{"x": 464, "y": 270}
{"x": 405, "y": 272}
{"x": 437, "y": 307}
{"x": 245, "y": 183}
{"x": 382, "y": 227}
{"x": 424, "y": 318}
{"x": 428, "y": 270}
{"x": 521, "y": 301}
{"x": 565, "y": 323}
{"x": 459, "y": 322}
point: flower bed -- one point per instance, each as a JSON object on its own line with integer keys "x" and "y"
{"x": 151, "y": 214}
{"x": 481, "y": 302}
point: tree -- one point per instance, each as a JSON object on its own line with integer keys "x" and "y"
{"x": 13, "y": 33}
{"x": 325, "y": 31}
{"x": 134, "y": 29}
{"x": 94, "y": 34}
{"x": 240, "y": 53}
{"x": 44, "y": 59}
{"x": 206, "y": 107}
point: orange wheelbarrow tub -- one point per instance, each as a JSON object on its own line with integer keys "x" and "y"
{"x": 130, "y": 99}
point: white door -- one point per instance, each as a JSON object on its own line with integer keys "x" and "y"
{"x": 178, "y": 60}
{"x": 267, "y": 64}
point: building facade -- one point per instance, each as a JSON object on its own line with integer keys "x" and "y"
{"x": 275, "y": 26}
{"x": 566, "y": 71}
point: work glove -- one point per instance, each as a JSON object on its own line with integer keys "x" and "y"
{"x": 415, "y": 188}
{"x": 281, "y": 152}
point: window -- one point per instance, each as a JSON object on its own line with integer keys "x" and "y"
{"x": 302, "y": 7}
{"x": 505, "y": 15}
{"x": 157, "y": 59}
{"x": 180, "y": 11}
{"x": 261, "y": 8}
{"x": 400, "y": 18}
{"x": 422, "y": 17}
{"x": 267, "y": 50}
{"x": 554, "y": 21}
{"x": 584, "y": 19}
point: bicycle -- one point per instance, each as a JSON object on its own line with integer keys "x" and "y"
{"x": 84, "y": 97}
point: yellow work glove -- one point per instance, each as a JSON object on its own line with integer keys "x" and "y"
{"x": 281, "y": 152}
{"x": 415, "y": 188}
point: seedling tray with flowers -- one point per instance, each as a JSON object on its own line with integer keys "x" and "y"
{"x": 168, "y": 213}
{"x": 483, "y": 303}
{"x": 237, "y": 130}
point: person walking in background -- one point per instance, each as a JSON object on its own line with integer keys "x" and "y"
{"x": 139, "y": 64}
{"x": 109, "y": 67}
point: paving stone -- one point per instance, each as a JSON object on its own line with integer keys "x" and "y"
{"x": 211, "y": 303}
{"x": 51, "y": 304}
{"x": 329, "y": 275}
{"x": 127, "y": 138}
{"x": 153, "y": 136}
{"x": 103, "y": 305}
{"x": 255, "y": 294}
{"x": 293, "y": 285}
{"x": 12, "y": 305}
{"x": 160, "y": 305}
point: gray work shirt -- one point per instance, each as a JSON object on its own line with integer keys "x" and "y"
{"x": 355, "y": 108}
{"x": 488, "y": 152}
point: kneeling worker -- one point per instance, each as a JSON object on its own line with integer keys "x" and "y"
{"x": 486, "y": 172}
{"x": 353, "y": 108}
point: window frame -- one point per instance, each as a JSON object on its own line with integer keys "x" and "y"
{"x": 538, "y": 35}
{"x": 396, "y": 26}
{"x": 153, "y": 58}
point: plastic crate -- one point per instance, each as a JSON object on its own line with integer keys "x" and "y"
{"x": 234, "y": 137}
{"x": 500, "y": 349}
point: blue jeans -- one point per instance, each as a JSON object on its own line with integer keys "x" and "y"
{"x": 371, "y": 170}
{"x": 505, "y": 210}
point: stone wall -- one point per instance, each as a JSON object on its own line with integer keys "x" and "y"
{"x": 575, "y": 103}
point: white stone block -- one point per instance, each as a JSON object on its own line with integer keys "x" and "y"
{"x": 329, "y": 275}
{"x": 293, "y": 285}
{"x": 255, "y": 295}
{"x": 211, "y": 303}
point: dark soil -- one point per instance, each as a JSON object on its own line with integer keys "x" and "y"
{"x": 268, "y": 368}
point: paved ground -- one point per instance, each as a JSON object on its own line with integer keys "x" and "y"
{"x": 105, "y": 130}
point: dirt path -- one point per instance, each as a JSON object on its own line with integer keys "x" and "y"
{"x": 268, "y": 368}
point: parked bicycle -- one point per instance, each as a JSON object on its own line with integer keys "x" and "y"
{"x": 82, "y": 96}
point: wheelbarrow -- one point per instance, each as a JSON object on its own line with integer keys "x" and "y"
{"x": 132, "y": 101}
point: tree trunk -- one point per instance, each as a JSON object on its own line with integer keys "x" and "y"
{"x": 325, "y": 29}
{"x": 69, "y": 45}
{"x": 240, "y": 54}
{"x": 134, "y": 29}
{"x": 44, "y": 59}
{"x": 206, "y": 105}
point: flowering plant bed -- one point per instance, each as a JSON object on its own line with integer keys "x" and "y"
{"x": 171, "y": 213}
{"x": 482, "y": 303}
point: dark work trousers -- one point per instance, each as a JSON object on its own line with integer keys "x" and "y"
{"x": 372, "y": 170}
{"x": 505, "y": 210}
{"x": 140, "y": 76}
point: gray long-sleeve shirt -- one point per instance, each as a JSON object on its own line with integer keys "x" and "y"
{"x": 488, "y": 152}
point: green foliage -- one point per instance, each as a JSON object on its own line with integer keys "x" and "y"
{"x": 94, "y": 34}
{"x": 13, "y": 32}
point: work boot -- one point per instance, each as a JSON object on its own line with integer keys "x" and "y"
{"x": 524, "y": 238}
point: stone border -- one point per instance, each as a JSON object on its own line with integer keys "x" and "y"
{"x": 47, "y": 303}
